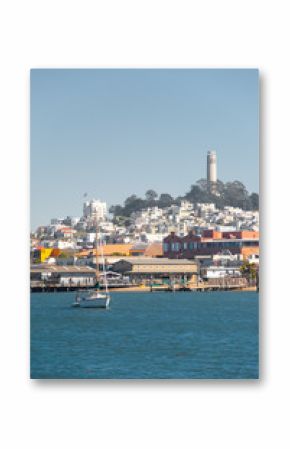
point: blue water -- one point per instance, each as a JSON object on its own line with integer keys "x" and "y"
{"x": 146, "y": 335}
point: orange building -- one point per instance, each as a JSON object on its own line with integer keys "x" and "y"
{"x": 154, "y": 250}
{"x": 126, "y": 250}
{"x": 114, "y": 249}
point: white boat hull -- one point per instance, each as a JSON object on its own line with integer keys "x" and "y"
{"x": 102, "y": 303}
{"x": 98, "y": 300}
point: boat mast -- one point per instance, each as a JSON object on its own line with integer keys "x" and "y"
{"x": 104, "y": 267}
{"x": 96, "y": 249}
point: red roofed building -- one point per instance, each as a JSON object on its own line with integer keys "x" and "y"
{"x": 243, "y": 243}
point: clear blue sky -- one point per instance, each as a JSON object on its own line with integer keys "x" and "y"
{"x": 112, "y": 133}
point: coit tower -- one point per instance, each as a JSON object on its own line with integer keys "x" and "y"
{"x": 211, "y": 171}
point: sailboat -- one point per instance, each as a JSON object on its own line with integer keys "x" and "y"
{"x": 95, "y": 298}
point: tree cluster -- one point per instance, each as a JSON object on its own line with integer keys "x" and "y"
{"x": 232, "y": 194}
{"x": 226, "y": 194}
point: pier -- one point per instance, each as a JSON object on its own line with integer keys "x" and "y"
{"x": 48, "y": 286}
{"x": 232, "y": 284}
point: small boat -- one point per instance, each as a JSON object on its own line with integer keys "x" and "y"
{"x": 92, "y": 299}
{"x": 95, "y": 298}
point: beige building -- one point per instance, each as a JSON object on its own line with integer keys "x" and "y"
{"x": 154, "y": 268}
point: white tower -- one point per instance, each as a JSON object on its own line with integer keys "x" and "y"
{"x": 211, "y": 171}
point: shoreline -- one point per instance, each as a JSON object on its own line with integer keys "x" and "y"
{"x": 146, "y": 289}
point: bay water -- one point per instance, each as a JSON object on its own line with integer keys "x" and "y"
{"x": 160, "y": 335}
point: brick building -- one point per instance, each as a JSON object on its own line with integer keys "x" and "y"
{"x": 243, "y": 243}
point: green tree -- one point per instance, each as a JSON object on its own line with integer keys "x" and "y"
{"x": 249, "y": 271}
{"x": 116, "y": 210}
{"x": 254, "y": 198}
{"x": 130, "y": 200}
{"x": 235, "y": 194}
{"x": 151, "y": 195}
{"x": 202, "y": 184}
{"x": 196, "y": 195}
{"x": 133, "y": 204}
{"x": 165, "y": 200}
